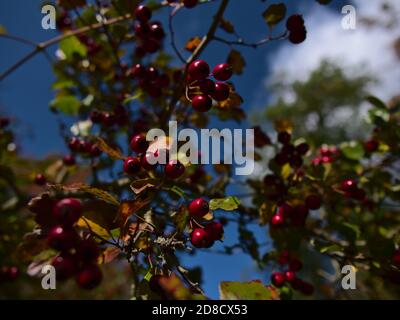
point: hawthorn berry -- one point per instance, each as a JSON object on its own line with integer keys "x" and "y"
{"x": 89, "y": 277}
{"x": 290, "y": 276}
{"x": 67, "y": 211}
{"x": 207, "y": 86}
{"x": 40, "y": 179}
{"x": 313, "y": 202}
{"x": 371, "y": 145}
{"x": 349, "y": 185}
{"x": 201, "y": 103}
{"x": 278, "y": 279}
{"x": 138, "y": 71}
{"x": 95, "y": 116}
{"x": 295, "y": 265}
{"x": 198, "y": 208}
{"x": 69, "y": 160}
{"x": 215, "y": 230}
{"x": 139, "y": 144}
{"x": 131, "y": 165}
{"x": 198, "y": 70}
{"x": 295, "y": 22}
{"x": 157, "y": 31}
{"x": 221, "y": 92}
{"x": 88, "y": 251}
{"x": 298, "y": 36}
{"x": 144, "y": 161}
{"x": 62, "y": 239}
{"x": 298, "y": 218}
{"x": 222, "y": 72}
{"x": 200, "y": 238}
{"x": 190, "y": 3}
{"x": 396, "y": 258}
{"x": 143, "y": 13}
{"x": 108, "y": 119}
{"x": 174, "y": 169}
{"x": 283, "y": 258}
{"x": 65, "y": 266}
{"x": 277, "y": 220}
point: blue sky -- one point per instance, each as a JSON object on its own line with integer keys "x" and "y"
{"x": 26, "y": 93}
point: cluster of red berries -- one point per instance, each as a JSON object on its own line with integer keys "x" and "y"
{"x": 297, "y": 29}
{"x": 295, "y": 216}
{"x": 150, "y": 79}
{"x": 327, "y": 154}
{"x": 8, "y": 274}
{"x": 289, "y": 153}
{"x": 204, "y": 237}
{"x": 198, "y": 77}
{"x": 351, "y": 190}
{"x": 85, "y": 148}
{"x": 279, "y": 279}
{"x": 108, "y": 119}
{"x": 78, "y": 257}
{"x": 150, "y": 34}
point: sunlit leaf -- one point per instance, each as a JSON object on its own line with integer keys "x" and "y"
{"x": 227, "y": 204}
{"x": 253, "y": 290}
{"x": 84, "y": 222}
{"x": 71, "y": 46}
{"x": 67, "y": 104}
{"x": 352, "y": 150}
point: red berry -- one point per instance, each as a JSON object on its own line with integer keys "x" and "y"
{"x": 174, "y": 170}
{"x": 200, "y": 238}
{"x": 198, "y": 70}
{"x": 283, "y": 258}
{"x": 88, "y": 251}
{"x": 190, "y": 3}
{"x": 349, "y": 185}
{"x": 40, "y": 179}
{"x": 67, "y": 211}
{"x": 90, "y": 277}
{"x": 74, "y": 144}
{"x": 285, "y": 210}
{"x": 396, "y": 258}
{"x": 358, "y": 194}
{"x": 61, "y": 238}
{"x": 138, "y": 71}
{"x": 222, "y": 71}
{"x": 277, "y": 220}
{"x": 284, "y": 137}
{"x": 207, "y": 86}
{"x": 290, "y": 276}
{"x": 300, "y": 213}
{"x": 278, "y": 279}
{"x": 215, "y": 230}
{"x": 201, "y": 103}
{"x": 198, "y": 208}
{"x": 298, "y": 36}
{"x": 143, "y": 13}
{"x": 221, "y": 92}
{"x": 295, "y": 265}
{"x": 65, "y": 267}
{"x": 13, "y": 273}
{"x": 139, "y": 143}
{"x": 157, "y": 31}
{"x": 144, "y": 161}
{"x": 69, "y": 160}
{"x": 131, "y": 165}
{"x": 295, "y": 22}
{"x": 371, "y": 145}
{"x": 313, "y": 202}
{"x": 108, "y": 119}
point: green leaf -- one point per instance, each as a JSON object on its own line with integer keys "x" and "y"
{"x": 180, "y": 219}
{"x": 331, "y": 248}
{"x": 63, "y": 84}
{"x": 352, "y": 150}
{"x": 72, "y": 46}
{"x": 354, "y": 228}
{"x": 227, "y": 204}
{"x": 377, "y": 115}
{"x": 67, "y": 104}
{"x": 376, "y": 102}
{"x": 274, "y": 14}
{"x": 253, "y": 290}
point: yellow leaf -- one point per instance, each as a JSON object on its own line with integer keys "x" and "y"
{"x": 93, "y": 227}
{"x": 127, "y": 208}
{"x": 236, "y": 61}
{"x": 192, "y": 44}
{"x": 103, "y": 146}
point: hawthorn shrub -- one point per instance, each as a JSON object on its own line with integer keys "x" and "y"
{"x": 105, "y": 201}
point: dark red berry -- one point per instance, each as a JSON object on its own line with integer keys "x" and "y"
{"x": 284, "y": 137}
{"x": 207, "y": 86}
{"x": 313, "y": 202}
{"x": 61, "y": 238}
{"x": 278, "y": 279}
{"x": 69, "y": 160}
{"x": 65, "y": 266}
{"x": 89, "y": 277}
{"x": 138, "y": 71}
{"x": 88, "y": 251}
{"x": 300, "y": 213}
{"x": 290, "y": 276}
{"x": 215, "y": 230}
{"x": 221, "y": 92}
{"x": 200, "y": 238}
{"x": 174, "y": 169}
{"x": 157, "y": 31}
{"x": 198, "y": 208}
{"x": 198, "y": 70}
{"x": 144, "y": 161}
{"x": 277, "y": 220}
{"x": 349, "y": 185}
{"x": 67, "y": 211}
{"x": 131, "y": 165}
{"x": 222, "y": 72}
{"x": 201, "y": 103}
{"x": 358, "y": 194}
{"x": 40, "y": 179}
{"x": 143, "y": 14}
{"x": 74, "y": 144}
{"x": 283, "y": 258}
{"x": 371, "y": 145}
{"x": 295, "y": 265}
{"x": 298, "y": 36}
{"x": 295, "y": 22}
{"x": 190, "y": 3}
{"x": 139, "y": 143}
{"x": 108, "y": 119}
{"x": 8, "y": 273}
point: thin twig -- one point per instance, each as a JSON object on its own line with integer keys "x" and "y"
{"x": 241, "y": 42}
{"x": 172, "y": 32}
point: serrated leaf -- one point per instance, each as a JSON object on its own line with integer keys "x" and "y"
{"x": 227, "y": 204}
{"x": 67, "y": 104}
{"x": 236, "y": 61}
{"x": 71, "y": 46}
{"x": 113, "y": 153}
{"x": 253, "y": 290}
{"x": 274, "y": 14}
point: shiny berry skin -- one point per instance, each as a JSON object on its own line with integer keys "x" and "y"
{"x": 65, "y": 267}
{"x": 131, "y": 165}
{"x": 198, "y": 70}
{"x": 290, "y": 276}
{"x": 74, "y": 144}
{"x": 222, "y": 72}
{"x": 295, "y": 22}
{"x": 349, "y": 185}
{"x": 221, "y": 92}
{"x": 138, "y": 71}
{"x": 108, "y": 119}
{"x": 61, "y": 238}
{"x": 371, "y": 145}
{"x": 157, "y": 31}
{"x": 298, "y": 36}
{"x": 215, "y": 230}
{"x": 88, "y": 251}
{"x": 67, "y": 211}
{"x": 295, "y": 265}
{"x": 313, "y": 202}
{"x": 200, "y": 238}
{"x": 142, "y": 14}
{"x": 198, "y": 208}
{"x": 207, "y": 86}
{"x": 278, "y": 279}
{"x": 284, "y": 137}
{"x": 201, "y": 103}
{"x": 174, "y": 170}
{"x": 89, "y": 277}
{"x": 69, "y": 160}
{"x": 285, "y": 210}
{"x": 396, "y": 258}
{"x": 277, "y": 220}
{"x": 40, "y": 179}
{"x": 145, "y": 163}
{"x": 139, "y": 143}
{"x": 190, "y": 3}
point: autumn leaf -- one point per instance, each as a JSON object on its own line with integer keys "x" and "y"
{"x": 283, "y": 125}
{"x": 192, "y": 44}
{"x": 236, "y": 61}
{"x": 108, "y": 255}
{"x": 84, "y": 222}
{"x": 274, "y": 14}
{"x": 234, "y": 101}
{"x": 227, "y": 204}
{"x": 253, "y": 290}
{"x": 226, "y": 25}
{"x": 129, "y": 207}
{"x": 103, "y": 146}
